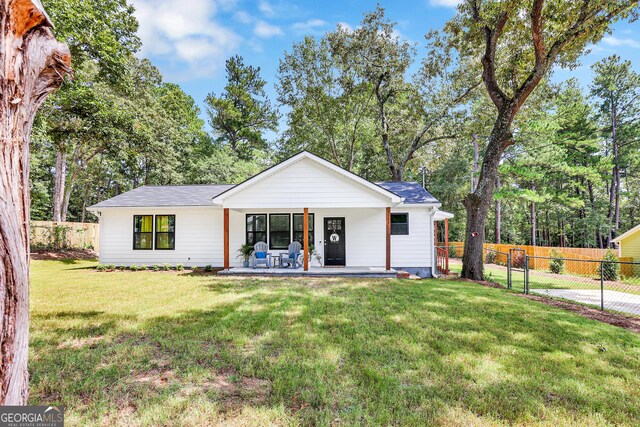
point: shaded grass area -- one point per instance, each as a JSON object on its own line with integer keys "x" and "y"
{"x": 169, "y": 348}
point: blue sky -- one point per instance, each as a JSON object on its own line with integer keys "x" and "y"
{"x": 189, "y": 40}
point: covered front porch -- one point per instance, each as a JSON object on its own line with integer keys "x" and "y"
{"x": 334, "y": 241}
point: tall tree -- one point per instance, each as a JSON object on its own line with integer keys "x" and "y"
{"x": 517, "y": 43}
{"x": 32, "y": 65}
{"x": 242, "y": 113}
{"x": 101, "y": 56}
{"x": 331, "y": 106}
{"x": 577, "y": 136}
{"x": 617, "y": 87}
{"x": 408, "y": 118}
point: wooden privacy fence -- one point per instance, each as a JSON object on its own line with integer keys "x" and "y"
{"x": 576, "y": 267}
{"x": 64, "y": 235}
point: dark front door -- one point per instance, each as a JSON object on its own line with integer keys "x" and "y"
{"x": 334, "y": 245}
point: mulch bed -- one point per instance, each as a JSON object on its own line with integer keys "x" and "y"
{"x": 627, "y": 322}
{"x": 80, "y": 254}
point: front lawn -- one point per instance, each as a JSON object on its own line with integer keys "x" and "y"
{"x": 171, "y": 348}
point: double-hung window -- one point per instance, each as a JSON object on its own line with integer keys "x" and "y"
{"x": 279, "y": 231}
{"x": 165, "y": 232}
{"x": 298, "y": 228}
{"x": 143, "y": 232}
{"x": 256, "y": 228}
{"x": 399, "y": 223}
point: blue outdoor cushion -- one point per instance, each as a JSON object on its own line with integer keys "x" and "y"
{"x": 292, "y": 255}
{"x": 261, "y": 255}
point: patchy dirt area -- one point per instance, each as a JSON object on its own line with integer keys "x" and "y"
{"x": 78, "y": 343}
{"x": 233, "y": 390}
{"x": 79, "y": 254}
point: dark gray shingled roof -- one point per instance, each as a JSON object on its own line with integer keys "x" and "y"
{"x": 411, "y": 192}
{"x": 166, "y": 195}
{"x": 201, "y": 195}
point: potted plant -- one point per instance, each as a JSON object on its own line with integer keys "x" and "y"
{"x": 315, "y": 255}
{"x": 245, "y": 252}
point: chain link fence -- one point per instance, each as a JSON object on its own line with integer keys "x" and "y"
{"x": 607, "y": 284}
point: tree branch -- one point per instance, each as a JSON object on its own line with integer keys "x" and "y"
{"x": 489, "y": 59}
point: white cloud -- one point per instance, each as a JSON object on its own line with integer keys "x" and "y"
{"x": 446, "y": 3}
{"x": 190, "y": 35}
{"x": 266, "y": 8}
{"x": 265, "y": 30}
{"x": 344, "y": 27}
{"x": 309, "y": 26}
{"x": 243, "y": 17}
{"x": 615, "y": 41}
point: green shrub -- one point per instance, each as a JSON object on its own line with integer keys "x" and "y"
{"x": 180, "y": 267}
{"x": 453, "y": 252}
{"x": 166, "y": 267}
{"x": 556, "y": 264}
{"x": 156, "y": 268}
{"x": 133, "y": 267}
{"x": 101, "y": 267}
{"x": 60, "y": 238}
{"x": 610, "y": 268}
{"x": 208, "y": 268}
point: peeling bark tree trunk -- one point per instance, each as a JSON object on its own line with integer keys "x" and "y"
{"x": 32, "y": 65}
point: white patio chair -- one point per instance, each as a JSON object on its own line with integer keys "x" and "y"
{"x": 292, "y": 256}
{"x": 259, "y": 249}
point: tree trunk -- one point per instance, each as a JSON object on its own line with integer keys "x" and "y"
{"x": 614, "y": 190}
{"x": 498, "y": 215}
{"x": 33, "y": 64}
{"x": 616, "y": 174}
{"x": 477, "y": 204}
{"x": 68, "y": 188}
{"x": 59, "y": 180}
{"x": 592, "y": 202}
{"x": 476, "y": 157}
{"x": 533, "y": 218}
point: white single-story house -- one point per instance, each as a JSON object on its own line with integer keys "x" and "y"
{"x": 350, "y": 221}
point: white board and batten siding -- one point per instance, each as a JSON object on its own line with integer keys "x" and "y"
{"x": 306, "y": 184}
{"x": 198, "y": 235}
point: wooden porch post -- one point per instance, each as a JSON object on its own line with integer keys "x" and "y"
{"x": 226, "y": 238}
{"x": 446, "y": 244}
{"x": 388, "y": 264}
{"x": 305, "y": 239}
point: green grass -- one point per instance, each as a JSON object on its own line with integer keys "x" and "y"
{"x": 543, "y": 279}
{"x": 170, "y": 348}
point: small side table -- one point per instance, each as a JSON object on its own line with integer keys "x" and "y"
{"x": 276, "y": 260}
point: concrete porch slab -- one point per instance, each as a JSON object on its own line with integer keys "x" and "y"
{"x": 375, "y": 272}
